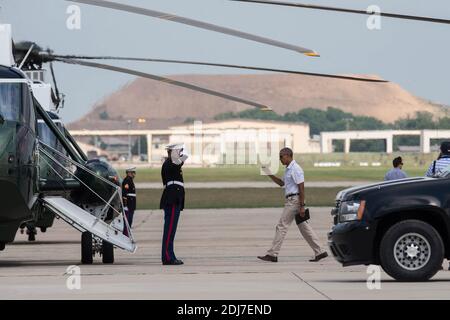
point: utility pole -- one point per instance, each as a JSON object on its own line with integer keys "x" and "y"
{"x": 347, "y": 123}
{"x": 140, "y": 121}
{"x": 129, "y": 140}
{"x": 139, "y": 147}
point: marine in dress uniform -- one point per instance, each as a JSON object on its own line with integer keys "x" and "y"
{"x": 172, "y": 200}
{"x": 129, "y": 196}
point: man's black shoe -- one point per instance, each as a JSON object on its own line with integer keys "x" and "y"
{"x": 268, "y": 258}
{"x": 173, "y": 263}
{"x": 319, "y": 257}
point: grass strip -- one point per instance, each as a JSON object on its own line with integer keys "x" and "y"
{"x": 238, "y": 198}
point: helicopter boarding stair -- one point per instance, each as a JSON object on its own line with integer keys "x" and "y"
{"x": 85, "y": 221}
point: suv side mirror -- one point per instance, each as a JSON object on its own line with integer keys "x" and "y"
{"x": 2, "y": 119}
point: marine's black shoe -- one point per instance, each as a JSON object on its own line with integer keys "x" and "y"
{"x": 268, "y": 258}
{"x": 173, "y": 263}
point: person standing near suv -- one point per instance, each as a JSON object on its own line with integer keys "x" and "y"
{"x": 442, "y": 162}
{"x": 396, "y": 173}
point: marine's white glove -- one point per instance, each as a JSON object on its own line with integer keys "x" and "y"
{"x": 184, "y": 157}
{"x": 178, "y": 157}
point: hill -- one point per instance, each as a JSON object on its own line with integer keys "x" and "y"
{"x": 164, "y": 105}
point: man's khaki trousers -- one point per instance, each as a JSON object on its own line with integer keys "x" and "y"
{"x": 291, "y": 208}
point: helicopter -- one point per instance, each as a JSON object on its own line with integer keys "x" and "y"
{"x": 43, "y": 171}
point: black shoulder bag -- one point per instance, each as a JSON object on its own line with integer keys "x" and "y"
{"x": 299, "y": 219}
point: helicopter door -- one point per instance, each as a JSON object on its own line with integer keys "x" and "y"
{"x": 17, "y": 136}
{"x": 84, "y": 221}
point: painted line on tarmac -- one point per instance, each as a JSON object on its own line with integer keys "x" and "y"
{"x": 143, "y": 221}
{"x": 310, "y": 285}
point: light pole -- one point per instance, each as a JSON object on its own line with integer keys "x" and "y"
{"x": 347, "y": 123}
{"x": 140, "y": 121}
{"x": 139, "y": 147}
{"x": 129, "y": 140}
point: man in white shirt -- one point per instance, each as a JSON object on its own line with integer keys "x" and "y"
{"x": 294, "y": 184}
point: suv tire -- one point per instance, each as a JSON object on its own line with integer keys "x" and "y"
{"x": 411, "y": 250}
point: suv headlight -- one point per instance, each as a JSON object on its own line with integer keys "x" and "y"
{"x": 351, "y": 210}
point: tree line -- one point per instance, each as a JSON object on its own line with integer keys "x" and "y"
{"x": 334, "y": 119}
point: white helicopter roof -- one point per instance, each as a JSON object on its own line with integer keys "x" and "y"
{"x": 41, "y": 90}
{"x": 6, "y": 50}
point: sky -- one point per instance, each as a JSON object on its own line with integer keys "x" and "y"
{"x": 415, "y": 55}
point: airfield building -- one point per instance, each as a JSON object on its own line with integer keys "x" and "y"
{"x": 220, "y": 142}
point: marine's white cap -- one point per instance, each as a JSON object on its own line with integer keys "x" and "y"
{"x": 175, "y": 146}
{"x": 132, "y": 169}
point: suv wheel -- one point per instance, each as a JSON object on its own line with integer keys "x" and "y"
{"x": 411, "y": 250}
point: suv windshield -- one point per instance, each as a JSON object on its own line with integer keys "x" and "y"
{"x": 11, "y": 100}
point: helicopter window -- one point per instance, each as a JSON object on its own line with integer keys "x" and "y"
{"x": 46, "y": 135}
{"x": 26, "y": 105}
{"x": 32, "y": 115}
{"x": 11, "y": 100}
{"x": 29, "y": 112}
{"x": 59, "y": 146}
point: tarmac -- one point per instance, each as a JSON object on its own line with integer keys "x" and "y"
{"x": 219, "y": 248}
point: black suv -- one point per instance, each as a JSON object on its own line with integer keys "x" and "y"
{"x": 402, "y": 225}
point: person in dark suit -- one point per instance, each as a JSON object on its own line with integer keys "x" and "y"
{"x": 172, "y": 200}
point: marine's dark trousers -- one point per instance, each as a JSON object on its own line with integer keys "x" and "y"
{"x": 171, "y": 216}
{"x": 129, "y": 214}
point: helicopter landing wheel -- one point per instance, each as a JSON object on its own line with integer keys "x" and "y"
{"x": 31, "y": 232}
{"x": 86, "y": 248}
{"x": 107, "y": 252}
{"x": 31, "y": 237}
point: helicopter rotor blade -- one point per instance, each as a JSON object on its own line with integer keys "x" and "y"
{"x": 195, "y": 23}
{"x": 215, "y": 65}
{"x": 346, "y": 10}
{"x": 166, "y": 80}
